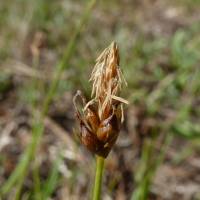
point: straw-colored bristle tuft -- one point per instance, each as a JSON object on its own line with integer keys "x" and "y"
{"x": 107, "y": 79}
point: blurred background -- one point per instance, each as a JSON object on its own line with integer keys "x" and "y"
{"x": 47, "y": 51}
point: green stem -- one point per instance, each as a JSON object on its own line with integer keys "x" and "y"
{"x": 98, "y": 178}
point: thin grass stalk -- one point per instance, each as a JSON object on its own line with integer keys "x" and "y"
{"x": 36, "y": 85}
{"x": 98, "y": 178}
{"x": 37, "y": 182}
{"x": 142, "y": 191}
{"x": 19, "y": 172}
{"x": 52, "y": 180}
{"x": 67, "y": 55}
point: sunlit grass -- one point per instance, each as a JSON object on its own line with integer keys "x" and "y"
{"x": 162, "y": 75}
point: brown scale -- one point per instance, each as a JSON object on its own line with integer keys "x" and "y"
{"x": 96, "y": 136}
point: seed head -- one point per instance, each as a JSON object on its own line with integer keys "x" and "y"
{"x": 101, "y": 118}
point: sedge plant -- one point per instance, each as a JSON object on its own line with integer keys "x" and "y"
{"x": 101, "y": 117}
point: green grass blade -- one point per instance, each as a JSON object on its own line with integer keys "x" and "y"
{"x": 21, "y": 168}
{"x": 52, "y": 181}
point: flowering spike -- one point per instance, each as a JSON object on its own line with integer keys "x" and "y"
{"x": 103, "y": 114}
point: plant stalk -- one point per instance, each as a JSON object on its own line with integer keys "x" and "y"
{"x": 98, "y": 178}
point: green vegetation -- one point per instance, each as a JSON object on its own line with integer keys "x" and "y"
{"x": 160, "y": 60}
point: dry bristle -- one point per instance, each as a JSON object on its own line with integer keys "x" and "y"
{"x": 107, "y": 79}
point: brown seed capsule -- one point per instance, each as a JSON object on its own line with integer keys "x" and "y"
{"x": 88, "y": 138}
{"x": 92, "y": 119}
{"x": 108, "y": 128}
